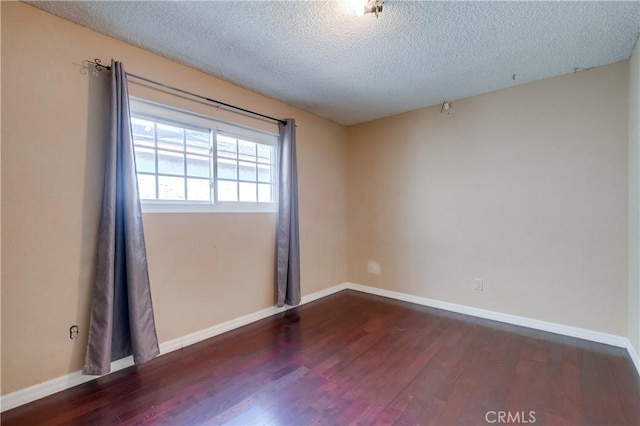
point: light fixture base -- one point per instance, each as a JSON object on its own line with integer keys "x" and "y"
{"x": 369, "y": 6}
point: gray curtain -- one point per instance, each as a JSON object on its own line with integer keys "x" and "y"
{"x": 287, "y": 234}
{"x": 122, "y": 320}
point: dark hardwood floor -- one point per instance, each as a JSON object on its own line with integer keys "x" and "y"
{"x": 353, "y": 358}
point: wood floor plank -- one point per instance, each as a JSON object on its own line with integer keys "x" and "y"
{"x": 358, "y": 359}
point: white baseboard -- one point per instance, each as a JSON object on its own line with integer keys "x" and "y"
{"x": 67, "y": 381}
{"x": 217, "y": 329}
{"x": 633, "y": 355}
{"x": 566, "y": 330}
{"x": 26, "y": 395}
{"x": 32, "y": 393}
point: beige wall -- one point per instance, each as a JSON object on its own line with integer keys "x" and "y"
{"x": 634, "y": 199}
{"x": 525, "y": 188}
{"x": 205, "y": 268}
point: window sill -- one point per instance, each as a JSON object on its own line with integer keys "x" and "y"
{"x": 168, "y": 207}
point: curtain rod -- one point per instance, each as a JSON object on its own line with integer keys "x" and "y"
{"x": 97, "y": 63}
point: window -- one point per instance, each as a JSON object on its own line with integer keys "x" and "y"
{"x": 190, "y": 162}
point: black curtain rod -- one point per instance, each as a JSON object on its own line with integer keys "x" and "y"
{"x": 97, "y": 63}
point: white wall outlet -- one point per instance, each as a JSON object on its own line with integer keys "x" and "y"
{"x": 479, "y": 284}
{"x": 374, "y": 268}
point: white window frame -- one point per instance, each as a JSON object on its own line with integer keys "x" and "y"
{"x": 152, "y": 110}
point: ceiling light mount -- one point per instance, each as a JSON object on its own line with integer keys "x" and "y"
{"x": 364, "y": 7}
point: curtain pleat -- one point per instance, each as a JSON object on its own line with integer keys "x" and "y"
{"x": 287, "y": 233}
{"x": 122, "y": 321}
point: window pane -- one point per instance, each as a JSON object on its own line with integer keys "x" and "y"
{"x": 264, "y": 153}
{"x": 247, "y": 150}
{"x": 170, "y": 137}
{"x": 226, "y": 146}
{"x": 197, "y": 142}
{"x": 147, "y": 187}
{"x": 227, "y": 169}
{"x": 145, "y": 160}
{"x": 198, "y": 166}
{"x": 143, "y": 132}
{"x": 171, "y": 163}
{"x": 198, "y": 190}
{"x": 247, "y": 171}
{"x": 227, "y": 191}
{"x": 170, "y": 188}
{"x": 264, "y": 173}
{"x": 174, "y": 160}
{"x": 264, "y": 193}
{"x": 248, "y": 191}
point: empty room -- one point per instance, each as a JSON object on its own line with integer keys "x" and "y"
{"x": 320, "y": 212}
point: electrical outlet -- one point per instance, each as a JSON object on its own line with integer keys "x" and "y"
{"x": 74, "y": 331}
{"x": 374, "y": 268}
{"x": 479, "y": 284}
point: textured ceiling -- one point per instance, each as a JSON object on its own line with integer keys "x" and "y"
{"x": 320, "y": 58}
